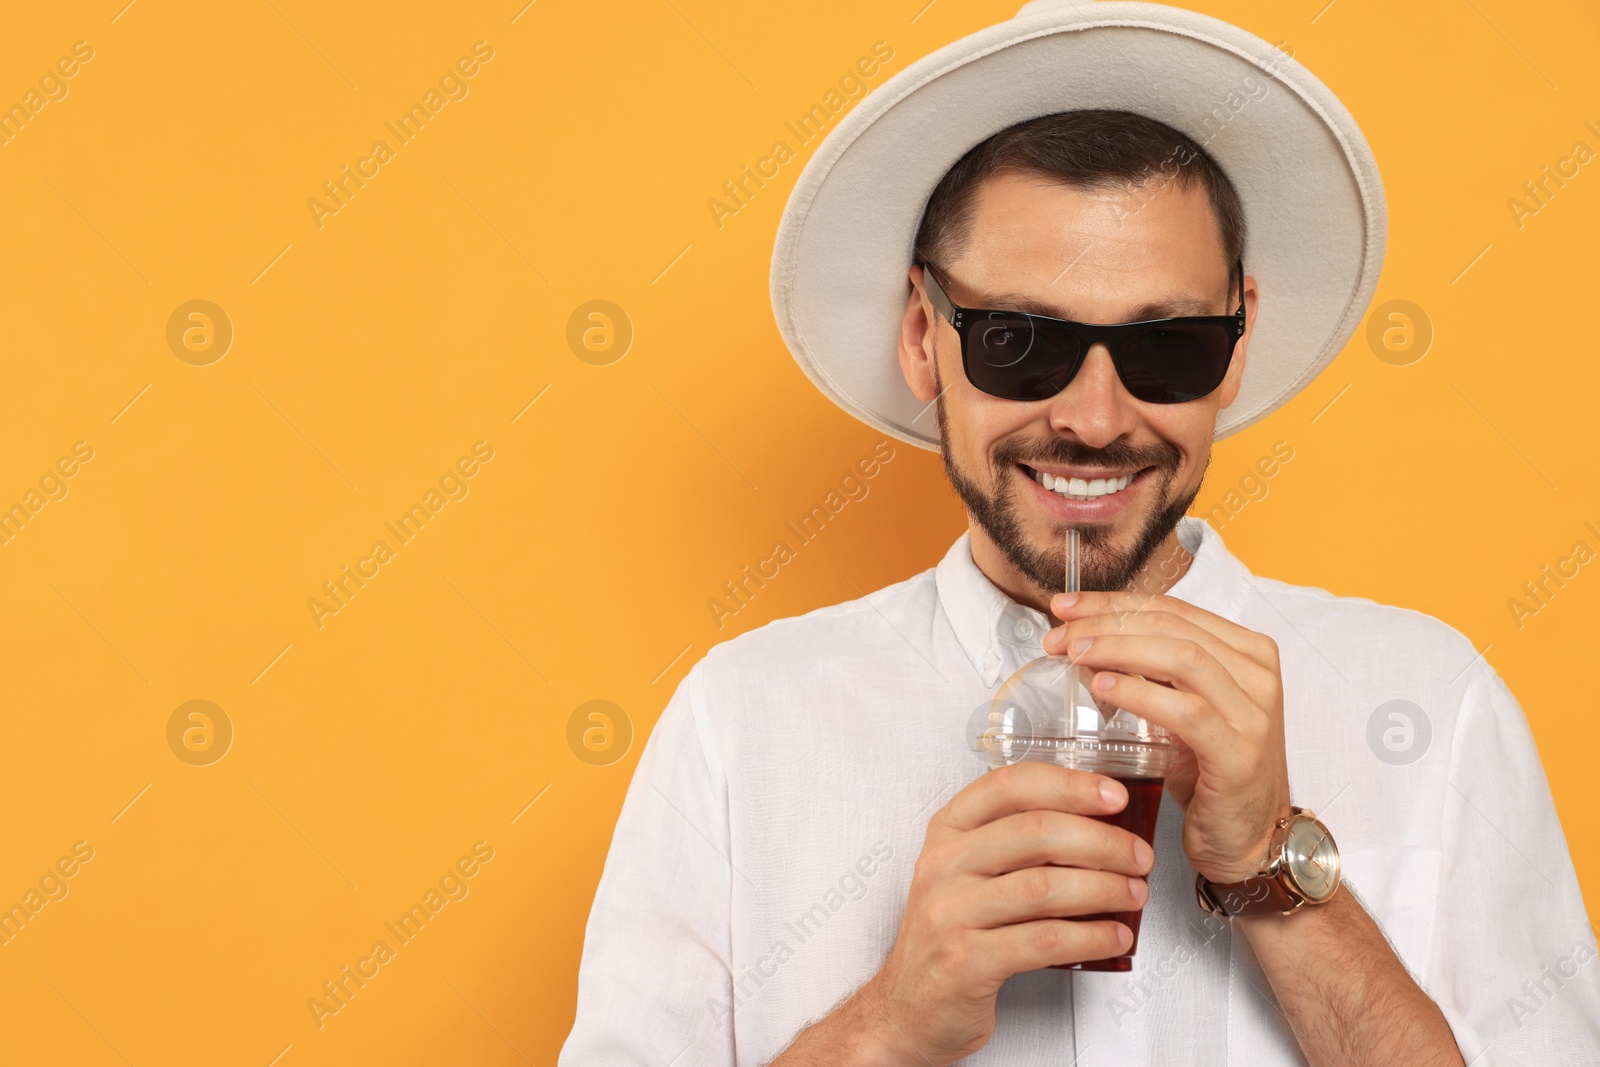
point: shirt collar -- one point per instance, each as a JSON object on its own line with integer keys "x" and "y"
{"x": 995, "y": 630}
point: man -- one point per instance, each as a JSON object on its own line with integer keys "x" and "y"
{"x": 811, "y": 868}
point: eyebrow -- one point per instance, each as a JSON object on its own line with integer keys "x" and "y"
{"x": 1172, "y": 307}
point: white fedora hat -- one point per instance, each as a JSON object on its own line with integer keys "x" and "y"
{"x": 1312, "y": 198}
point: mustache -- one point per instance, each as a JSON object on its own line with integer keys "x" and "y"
{"x": 1118, "y": 455}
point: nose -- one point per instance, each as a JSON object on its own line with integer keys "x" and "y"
{"x": 1094, "y": 407}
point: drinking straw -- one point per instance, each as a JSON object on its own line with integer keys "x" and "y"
{"x": 1072, "y": 559}
{"x": 1067, "y": 706}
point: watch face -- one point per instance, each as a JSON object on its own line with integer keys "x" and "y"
{"x": 1312, "y": 859}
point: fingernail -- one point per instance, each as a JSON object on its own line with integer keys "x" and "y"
{"x": 1113, "y": 792}
{"x": 1140, "y": 891}
{"x": 1066, "y": 600}
{"x": 1080, "y": 646}
{"x": 1124, "y": 936}
{"x": 1143, "y": 854}
{"x": 1103, "y": 682}
{"x": 1054, "y": 636}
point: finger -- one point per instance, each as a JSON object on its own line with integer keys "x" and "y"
{"x": 1026, "y": 786}
{"x": 1047, "y": 893}
{"x": 1008, "y": 950}
{"x": 1257, "y": 646}
{"x": 1186, "y": 665}
{"x": 1156, "y": 623}
{"x": 1039, "y": 837}
{"x": 1185, "y": 715}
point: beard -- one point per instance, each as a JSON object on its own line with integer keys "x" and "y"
{"x": 1102, "y": 565}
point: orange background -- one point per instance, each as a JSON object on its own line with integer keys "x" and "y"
{"x": 371, "y": 753}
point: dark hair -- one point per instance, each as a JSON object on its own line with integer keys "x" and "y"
{"x": 1089, "y": 150}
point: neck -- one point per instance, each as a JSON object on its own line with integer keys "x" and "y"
{"x": 1168, "y": 563}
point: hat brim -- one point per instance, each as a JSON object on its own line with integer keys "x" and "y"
{"x": 1316, "y": 221}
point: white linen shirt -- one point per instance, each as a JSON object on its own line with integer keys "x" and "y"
{"x": 761, "y": 862}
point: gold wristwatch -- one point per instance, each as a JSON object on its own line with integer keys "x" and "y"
{"x": 1302, "y": 868}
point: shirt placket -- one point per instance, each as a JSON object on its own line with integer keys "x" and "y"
{"x": 1017, "y": 640}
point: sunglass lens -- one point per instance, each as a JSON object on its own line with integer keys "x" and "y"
{"x": 1013, "y": 357}
{"x": 1173, "y": 364}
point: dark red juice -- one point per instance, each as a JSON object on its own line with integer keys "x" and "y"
{"x": 1139, "y": 817}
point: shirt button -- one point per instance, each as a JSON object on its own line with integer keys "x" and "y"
{"x": 1022, "y": 628}
{"x": 991, "y": 661}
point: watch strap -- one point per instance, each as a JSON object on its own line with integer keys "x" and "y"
{"x": 1259, "y": 894}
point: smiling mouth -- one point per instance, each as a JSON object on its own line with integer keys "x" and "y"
{"x": 1083, "y": 488}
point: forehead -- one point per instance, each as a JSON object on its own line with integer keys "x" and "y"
{"x": 1091, "y": 250}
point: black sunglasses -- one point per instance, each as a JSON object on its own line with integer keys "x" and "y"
{"x": 1017, "y": 356}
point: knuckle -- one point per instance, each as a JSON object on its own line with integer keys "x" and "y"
{"x": 1190, "y": 654}
{"x": 951, "y": 958}
{"x": 1187, "y": 709}
{"x": 1047, "y": 938}
{"x": 938, "y": 914}
{"x": 1034, "y": 825}
{"x": 1007, "y": 777}
{"x": 1261, "y": 683}
{"x": 1035, "y": 887}
{"x": 931, "y": 865}
{"x": 1010, "y": 781}
{"x": 1103, "y": 848}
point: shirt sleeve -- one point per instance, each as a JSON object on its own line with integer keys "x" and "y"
{"x": 654, "y": 983}
{"x": 1513, "y": 966}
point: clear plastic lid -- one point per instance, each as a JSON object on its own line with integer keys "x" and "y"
{"x": 1046, "y": 712}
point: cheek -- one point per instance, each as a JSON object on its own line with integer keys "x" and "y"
{"x": 990, "y": 423}
{"x": 1191, "y": 427}
{"x": 967, "y": 439}
{"x": 979, "y": 422}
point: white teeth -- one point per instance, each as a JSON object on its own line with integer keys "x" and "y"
{"x": 1080, "y": 489}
